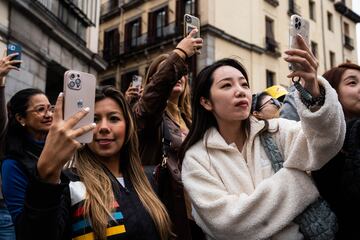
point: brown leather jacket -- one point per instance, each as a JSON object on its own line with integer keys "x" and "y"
{"x": 150, "y": 114}
{"x": 150, "y": 110}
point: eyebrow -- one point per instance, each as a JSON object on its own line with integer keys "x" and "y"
{"x": 350, "y": 76}
{"x": 230, "y": 79}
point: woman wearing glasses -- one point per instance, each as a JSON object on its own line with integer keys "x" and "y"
{"x": 264, "y": 106}
{"x": 29, "y": 120}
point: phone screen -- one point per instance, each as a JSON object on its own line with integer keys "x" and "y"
{"x": 14, "y": 48}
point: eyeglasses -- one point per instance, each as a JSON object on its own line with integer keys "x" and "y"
{"x": 42, "y": 110}
{"x": 273, "y": 101}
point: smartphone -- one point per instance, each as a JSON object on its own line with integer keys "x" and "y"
{"x": 298, "y": 25}
{"x": 191, "y": 22}
{"x": 79, "y": 92}
{"x": 14, "y": 48}
{"x": 136, "y": 81}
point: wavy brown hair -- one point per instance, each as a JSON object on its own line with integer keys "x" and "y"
{"x": 98, "y": 202}
{"x": 184, "y": 98}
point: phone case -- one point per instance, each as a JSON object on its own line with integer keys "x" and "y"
{"x": 298, "y": 25}
{"x": 14, "y": 48}
{"x": 191, "y": 22}
{"x": 79, "y": 92}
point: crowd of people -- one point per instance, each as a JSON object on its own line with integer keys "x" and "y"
{"x": 174, "y": 160}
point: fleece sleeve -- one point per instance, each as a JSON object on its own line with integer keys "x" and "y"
{"x": 319, "y": 136}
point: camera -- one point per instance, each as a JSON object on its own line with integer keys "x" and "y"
{"x": 72, "y": 76}
{"x": 297, "y": 23}
{"x": 188, "y": 19}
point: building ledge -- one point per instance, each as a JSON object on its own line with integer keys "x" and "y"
{"x": 347, "y": 12}
{"x": 274, "y": 3}
{"x": 56, "y": 31}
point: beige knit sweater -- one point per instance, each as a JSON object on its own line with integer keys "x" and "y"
{"x": 236, "y": 195}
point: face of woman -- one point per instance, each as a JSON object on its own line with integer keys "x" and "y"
{"x": 349, "y": 93}
{"x": 230, "y": 96}
{"x": 269, "y": 108}
{"x": 179, "y": 88}
{"x": 38, "y": 116}
{"x": 110, "y": 130}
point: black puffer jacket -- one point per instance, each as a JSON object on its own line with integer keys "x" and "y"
{"x": 339, "y": 183}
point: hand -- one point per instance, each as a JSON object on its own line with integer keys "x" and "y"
{"x": 190, "y": 45}
{"x": 6, "y": 64}
{"x": 60, "y": 144}
{"x": 309, "y": 65}
{"x": 132, "y": 94}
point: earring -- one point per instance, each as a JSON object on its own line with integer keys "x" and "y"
{"x": 23, "y": 124}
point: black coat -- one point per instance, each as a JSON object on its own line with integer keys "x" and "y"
{"x": 339, "y": 183}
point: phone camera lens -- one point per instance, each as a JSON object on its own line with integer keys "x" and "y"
{"x": 78, "y": 75}
{"x": 77, "y": 81}
{"x": 188, "y": 19}
{"x": 296, "y": 20}
{"x": 299, "y": 24}
{"x": 72, "y": 76}
{"x": 71, "y": 84}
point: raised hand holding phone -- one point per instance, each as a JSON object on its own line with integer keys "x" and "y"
{"x": 7, "y": 64}
{"x": 189, "y": 45}
{"x": 190, "y": 23}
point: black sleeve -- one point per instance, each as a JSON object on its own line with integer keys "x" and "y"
{"x": 46, "y": 213}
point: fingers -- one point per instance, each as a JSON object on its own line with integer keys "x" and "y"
{"x": 82, "y": 130}
{"x": 296, "y": 54}
{"x": 58, "y": 114}
{"x": 74, "y": 119}
{"x": 10, "y": 56}
{"x": 193, "y": 33}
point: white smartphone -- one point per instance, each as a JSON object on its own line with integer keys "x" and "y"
{"x": 136, "y": 81}
{"x": 191, "y": 22}
{"x": 79, "y": 92}
{"x": 298, "y": 25}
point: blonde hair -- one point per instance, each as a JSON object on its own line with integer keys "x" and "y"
{"x": 98, "y": 202}
{"x": 184, "y": 98}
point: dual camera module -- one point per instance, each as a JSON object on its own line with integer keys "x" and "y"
{"x": 297, "y": 23}
{"x": 188, "y": 19}
{"x": 75, "y": 82}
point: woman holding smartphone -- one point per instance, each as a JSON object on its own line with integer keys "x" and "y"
{"x": 163, "y": 118}
{"x": 229, "y": 177}
{"x": 105, "y": 193}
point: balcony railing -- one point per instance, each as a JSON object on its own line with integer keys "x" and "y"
{"x": 348, "y": 42}
{"x": 110, "y": 6}
{"x": 271, "y": 45}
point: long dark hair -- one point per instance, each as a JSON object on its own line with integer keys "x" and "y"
{"x": 203, "y": 119}
{"x": 16, "y": 134}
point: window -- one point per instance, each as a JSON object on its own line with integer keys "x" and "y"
{"x": 190, "y": 7}
{"x": 160, "y": 22}
{"x": 270, "y": 78}
{"x": 271, "y": 44}
{"x": 312, "y": 10}
{"x": 314, "y": 48}
{"x": 330, "y": 21}
{"x": 348, "y": 41}
{"x": 111, "y": 44}
{"x": 132, "y": 34}
{"x": 332, "y": 59}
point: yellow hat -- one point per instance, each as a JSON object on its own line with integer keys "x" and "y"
{"x": 276, "y": 91}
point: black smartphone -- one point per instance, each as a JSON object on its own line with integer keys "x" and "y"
{"x": 14, "y": 48}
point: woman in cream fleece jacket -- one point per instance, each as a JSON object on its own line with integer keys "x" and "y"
{"x": 233, "y": 188}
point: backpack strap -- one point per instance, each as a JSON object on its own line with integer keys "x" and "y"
{"x": 271, "y": 150}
